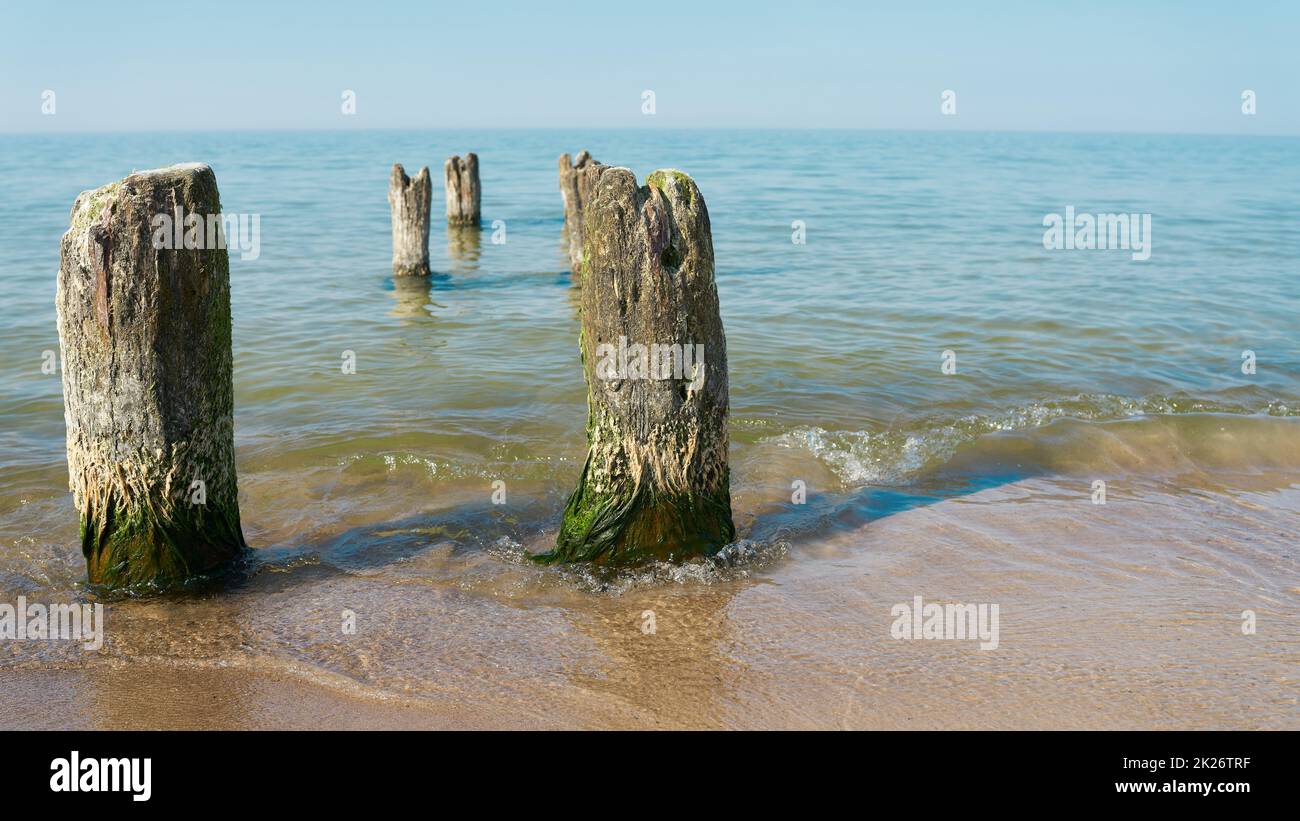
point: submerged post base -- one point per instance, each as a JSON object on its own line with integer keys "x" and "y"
{"x": 642, "y": 525}
{"x": 148, "y": 548}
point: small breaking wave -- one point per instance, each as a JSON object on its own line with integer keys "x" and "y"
{"x": 738, "y": 560}
{"x": 897, "y": 456}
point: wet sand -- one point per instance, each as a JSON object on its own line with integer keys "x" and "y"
{"x": 1118, "y": 616}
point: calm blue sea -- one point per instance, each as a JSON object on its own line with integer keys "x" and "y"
{"x": 915, "y": 244}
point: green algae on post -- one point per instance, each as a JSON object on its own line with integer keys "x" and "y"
{"x": 656, "y": 482}
{"x": 409, "y": 200}
{"x": 145, "y": 338}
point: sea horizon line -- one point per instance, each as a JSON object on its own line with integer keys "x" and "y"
{"x": 628, "y": 129}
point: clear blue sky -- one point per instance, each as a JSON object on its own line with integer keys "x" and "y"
{"x": 1057, "y": 66}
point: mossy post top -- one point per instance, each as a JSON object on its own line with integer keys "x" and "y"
{"x": 649, "y": 256}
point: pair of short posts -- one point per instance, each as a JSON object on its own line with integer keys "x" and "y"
{"x": 409, "y": 200}
{"x": 145, "y": 339}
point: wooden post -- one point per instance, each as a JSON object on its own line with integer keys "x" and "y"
{"x": 143, "y": 306}
{"x": 577, "y": 182}
{"x": 656, "y": 483}
{"x": 463, "y": 192}
{"x": 409, "y": 200}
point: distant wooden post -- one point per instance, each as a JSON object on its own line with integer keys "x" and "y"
{"x": 463, "y": 192}
{"x": 577, "y": 182}
{"x": 409, "y": 200}
{"x": 656, "y": 483}
{"x": 143, "y": 307}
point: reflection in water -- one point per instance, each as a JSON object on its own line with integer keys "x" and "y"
{"x": 412, "y": 296}
{"x": 463, "y": 245}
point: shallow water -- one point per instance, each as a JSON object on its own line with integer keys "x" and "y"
{"x": 371, "y": 492}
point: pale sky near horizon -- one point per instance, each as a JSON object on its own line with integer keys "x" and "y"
{"x": 1102, "y": 66}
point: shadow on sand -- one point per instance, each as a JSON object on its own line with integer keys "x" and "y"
{"x": 478, "y": 527}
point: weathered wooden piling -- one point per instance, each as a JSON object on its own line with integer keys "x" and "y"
{"x": 656, "y": 483}
{"x": 463, "y": 192}
{"x": 143, "y": 307}
{"x": 409, "y": 200}
{"x": 577, "y": 182}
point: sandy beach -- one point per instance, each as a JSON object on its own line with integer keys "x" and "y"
{"x": 1126, "y": 618}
